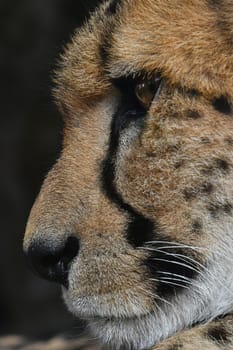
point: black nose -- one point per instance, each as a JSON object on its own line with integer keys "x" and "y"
{"x": 53, "y": 264}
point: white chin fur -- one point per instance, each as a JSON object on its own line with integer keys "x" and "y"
{"x": 125, "y": 328}
{"x": 136, "y": 333}
{"x": 105, "y": 306}
{"x": 143, "y": 332}
{"x": 201, "y": 302}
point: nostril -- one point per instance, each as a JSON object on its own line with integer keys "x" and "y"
{"x": 51, "y": 264}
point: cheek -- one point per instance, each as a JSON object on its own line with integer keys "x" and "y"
{"x": 154, "y": 187}
{"x": 133, "y": 178}
{"x": 144, "y": 181}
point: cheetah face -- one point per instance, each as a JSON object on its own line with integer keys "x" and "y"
{"x": 135, "y": 218}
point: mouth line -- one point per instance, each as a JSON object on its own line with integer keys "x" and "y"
{"x": 113, "y": 308}
{"x": 117, "y": 318}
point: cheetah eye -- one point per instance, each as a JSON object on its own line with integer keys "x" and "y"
{"x": 147, "y": 90}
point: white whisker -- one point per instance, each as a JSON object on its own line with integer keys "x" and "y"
{"x": 184, "y": 258}
{"x": 177, "y": 263}
{"x": 175, "y": 274}
{"x": 171, "y": 283}
{"x": 175, "y": 279}
{"x": 172, "y": 244}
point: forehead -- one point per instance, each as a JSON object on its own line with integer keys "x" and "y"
{"x": 179, "y": 39}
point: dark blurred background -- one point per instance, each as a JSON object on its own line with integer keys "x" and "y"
{"x": 32, "y": 34}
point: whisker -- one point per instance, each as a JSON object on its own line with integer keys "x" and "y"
{"x": 194, "y": 262}
{"x": 204, "y": 273}
{"x": 154, "y": 296}
{"x": 170, "y": 278}
{"x": 184, "y": 258}
{"x": 175, "y": 279}
{"x": 171, "y": 283}
{"x": 177, "y": 263}
{"x": 175, "y": 274}
{"x": 163, "y": 300}
{"x": 183, "y": 285}
{"x": 172, "y": 244}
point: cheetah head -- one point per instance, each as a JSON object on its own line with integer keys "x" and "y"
{"x": 135, "y": 219}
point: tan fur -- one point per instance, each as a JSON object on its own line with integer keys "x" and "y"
{"x": 199, "y": 337}
{"x": 12, "y": 342}
{"x": 173, "y": 171}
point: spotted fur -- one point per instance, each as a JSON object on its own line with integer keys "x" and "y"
{"x": 15, "y": 342}
{"x": 147, "y": 192}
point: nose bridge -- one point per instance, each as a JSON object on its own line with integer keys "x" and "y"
{"x": 55, "y": 211}
{"x": 73, "y": 185}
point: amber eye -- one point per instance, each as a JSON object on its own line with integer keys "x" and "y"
{"x": 146, "y": 91}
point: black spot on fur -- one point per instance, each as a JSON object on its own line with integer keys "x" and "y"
{"x": 179, "y": 164}
{"x": 217, "y": 164}
{"x": 222, "y": 105}
{"x": 173, "y": 147}
{"x": 175, "y": 346}
{"x": 214, "y": 3}
{"x": 207, "y": 187}
{"x": 196, "y": 226}
{"x": 192, "y": 93}
{"x": 223, "y": 25}
{"x": 192, "y": 114}
{"x": 227, "y": 208}
{"x": 218, "y": 334}
{"x": 229, "y": 141}
{"x": 216, "y": 209}
{"x": 193, "y": 192}
{"x": 222, "y": 164}
{"x": 113, "y": 6}
{"x": 205, "y": 140}
{"x": 189, "y": 194}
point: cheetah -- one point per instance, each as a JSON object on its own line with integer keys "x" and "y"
{"x": 135, "y": 219}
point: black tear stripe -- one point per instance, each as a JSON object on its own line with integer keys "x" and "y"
{"x": 219, "y": 334}
{"x": 142, "y": 230}
{"x": 222, "y": 105}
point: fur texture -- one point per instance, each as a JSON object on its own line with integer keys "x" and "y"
{"x": 148, "y": 192}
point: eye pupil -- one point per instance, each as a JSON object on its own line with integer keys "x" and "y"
{"x": 146, "y": 90}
